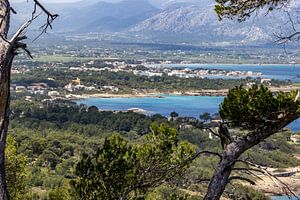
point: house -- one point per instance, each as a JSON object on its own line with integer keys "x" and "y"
{"x": 250, "y": 84}
{"x": 111, "y": 88}
{"x": 265, "y": 80}
{"x": 28, "y": 98}
{"x": 69, "y": 87}
{"x": 90, "y": 88}
{"x": 295, "y": 138}
{"x": 20, "y": 88}
{"x": 53, "y": 93}
{"x": 79, "y": 87}
{"x": 37, "y": 86}
{"x": 42, "y": 92}
{"x": 76, "y": 81}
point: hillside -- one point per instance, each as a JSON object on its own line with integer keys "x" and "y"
{"x": 172, "y": 21}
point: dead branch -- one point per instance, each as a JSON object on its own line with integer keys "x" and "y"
{"x": 285, "y": 187}
{"x": 50, "y": 17}
{"x": 242, "y": 179}
{"x": 13, "y": 10}
{"x": 247, "y": 169}
{"x": 293, "y": 35}
{"x": 187, "y": 161}
{"x": 213, "y": 132}
{"x": 20, "y": 33}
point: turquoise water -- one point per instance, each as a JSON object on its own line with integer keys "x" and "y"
{"x": 284, "y": 198}
{"x": 280, "y": 72}
{"x": 183, "y": 105}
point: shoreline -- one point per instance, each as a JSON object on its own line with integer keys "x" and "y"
{"x": 236, "y": 64}
{"x": 212, "y": 93}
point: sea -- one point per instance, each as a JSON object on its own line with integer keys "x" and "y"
{"x": 284, "y": 198}
{"x": 192, "y": 106}
{"x": 195, "y": 105}
{"x": 280, "y": 72}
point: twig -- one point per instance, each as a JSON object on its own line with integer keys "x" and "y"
{"x": 242, "y": 178}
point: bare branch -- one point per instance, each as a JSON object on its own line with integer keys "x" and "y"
{"x": 248, "y": 169}
{"x": 213, "y": 132}
{"x": 22, "y": 30}
{"x": 208, "y": 153}
{"x": 290, "y": 32}
{"x": 50, "y": 18}
{"x": 20, "y": 33}
{"x": 284, "y": 39}
{"x": 242, "y": 179}
{"x": 285, "y": 187}
{"x": 187, "y": 161}
{"x": 13, "y": 10}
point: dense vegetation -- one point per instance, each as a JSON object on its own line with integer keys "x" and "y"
{"x": 54, "y": 136}
{"x": 79, "y": 119}
{"x": 123, "y": 171}
{"x": 73, "y": 152}
{"x": 127, "y": 82}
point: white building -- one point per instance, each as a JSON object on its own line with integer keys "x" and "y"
{"x": 20, "y": 88}
{"x": 53, "y": 93}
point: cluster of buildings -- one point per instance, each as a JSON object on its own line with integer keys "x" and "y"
{"x": 202, "y": 73}
{"x": 193, "y": 73}
{"x": 19, "y": 70}
{"x": 150, "y": 70}
{"x": 75, "y": 85}
{"x": 35, "y": 88}
{"x": 72, "y": 87}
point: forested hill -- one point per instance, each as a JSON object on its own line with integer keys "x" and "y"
{"x": 53, "y": 136}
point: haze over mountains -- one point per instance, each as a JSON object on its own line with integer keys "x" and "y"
{"x": 182, "y": 21}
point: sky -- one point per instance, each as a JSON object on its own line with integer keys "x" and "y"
{"x": 50, "y": 1}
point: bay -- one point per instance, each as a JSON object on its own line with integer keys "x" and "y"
{"x": 279, "y": 72}
{"x": 184, "y": 105}
{"x": 283, "y": 198}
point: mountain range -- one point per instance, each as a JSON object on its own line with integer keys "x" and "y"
{"x": 180, "y": 21}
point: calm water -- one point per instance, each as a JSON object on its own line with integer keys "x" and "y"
{"x": 284, "y": 198}
{"x": 183, "y": 105}
{"x": 280, "y": 72}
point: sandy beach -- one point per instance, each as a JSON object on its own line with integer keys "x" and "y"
{"x": 222, "y": 92}
{"x": 273, "y": 187}
{"x": 150, "y": 94}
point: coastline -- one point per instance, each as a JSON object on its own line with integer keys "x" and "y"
{"x": 235, "y": 64}
{"x": 152, "y": 94}
{"x": 223, "y": 92}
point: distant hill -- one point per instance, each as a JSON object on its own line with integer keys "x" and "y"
{"x": 198, "y": 22}
{"x": 91, "y": 16}
{"x": 171, "y": 21}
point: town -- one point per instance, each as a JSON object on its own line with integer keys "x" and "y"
{"x": 136, "y": 68}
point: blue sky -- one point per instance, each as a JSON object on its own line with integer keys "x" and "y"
{"x": 49, "y": 1}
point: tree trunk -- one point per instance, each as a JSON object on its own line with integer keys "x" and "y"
{"x": 234, "y": 150}
{"x": 6, "y": 57}
{"x": 221, "y": 175}
{"x": 218, "y": 182}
